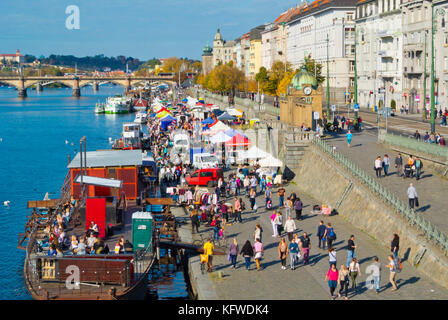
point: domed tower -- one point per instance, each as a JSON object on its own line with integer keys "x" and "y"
{"x": 218, "y": 48}
{"x": 303, "y": 102}
{"x": 207, "y": 59}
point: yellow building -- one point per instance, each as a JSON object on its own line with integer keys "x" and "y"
{"x": 255, "y": 51}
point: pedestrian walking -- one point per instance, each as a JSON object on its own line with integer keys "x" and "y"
{"x": 233, "y": 252}
{"x": 305, "y": 247}
{"x": 355, "y": 271}
{"x": 282, "y": 252}
{"x": 279, "y": 223}
{"x": 274, "y": 224}
{"x": 253, "y": 204}
{"x": 268, "y": 195}
{"x": 281, "y": 196}
{"x": 393, "y": 270}
{"x": 288, "y": 207}
{"x": 332, "y": 278}
{"x": 290, "y": 227}
{"x": 386, "y": 164}
{"x": 247, "y": 252}
{"x": 399, "y": 165}
{"x": 418, "y": 164}
{"x": 258, "y": 233}
{"x": 258, "y": 249}
{"x": 332, "y": 256}
{"x": 208, "y": 250}
{"x": 349, "y": 136}
{"x": 351, "y": 249}
{"x": 395, "y": 245}
{"x": 330, "y": 235}
{"x": 320, "y": 234}
{"x": 412, "y": 196}
{"x": 194, "y": 221}
{"x": 343, "y": 281}
{"x": 376, "y": 274}
{"x": 298, "y": 208}
{"x": 293, "y": 252}
{"x": 378, "y": 166}
{"x": 237, "y": 210}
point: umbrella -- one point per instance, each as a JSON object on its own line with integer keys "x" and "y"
{"x": 226, "y": 116}
{"x": 167, "y": 118}
{"x": 163, "y": 114}
{"x": 237, "y": 141}
{"x": 234, "y": 112}
{"x": 185, "y": 100}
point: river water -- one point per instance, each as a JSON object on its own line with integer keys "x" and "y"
{"x": 33, "y": 159}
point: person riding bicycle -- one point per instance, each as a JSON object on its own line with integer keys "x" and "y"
{"x": 208, "y": 251}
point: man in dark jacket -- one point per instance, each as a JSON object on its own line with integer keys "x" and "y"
{"x": 418, "y": 167}
{"x": 399, "y": 165}
{"x": 194, "y": 222}
{"x": 320, "y": 233}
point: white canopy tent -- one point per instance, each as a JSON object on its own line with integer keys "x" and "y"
{"x": 219, "y": 126}
{"x": 255, "y": 153}
{"x": 234, "y": 112}
{"x": 270, "y": 161}
{"x": 220, "y": 137}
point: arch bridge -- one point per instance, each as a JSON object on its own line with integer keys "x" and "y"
{"x": 77, "y": 82}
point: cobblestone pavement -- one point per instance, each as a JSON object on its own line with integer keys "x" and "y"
{"x": 431, "y": 188}
{"x": 307, "y": 282}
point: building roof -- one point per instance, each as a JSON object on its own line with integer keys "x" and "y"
{"x": 319, "y": 5}
{"x": 255, "y": 33}
{"x": 102, "y": 182}
{"x": 109, "y": 158}
{"x": 17, "y": 54}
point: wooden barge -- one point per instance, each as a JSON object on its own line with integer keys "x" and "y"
{"x": 92, "y": 192}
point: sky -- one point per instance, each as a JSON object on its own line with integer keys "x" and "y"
{"x": 141, "y": 29}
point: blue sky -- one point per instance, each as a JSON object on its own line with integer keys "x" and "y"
{"x": 139, "y": 28}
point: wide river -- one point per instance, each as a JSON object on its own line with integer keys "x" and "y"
{"x": 33, "y": 159}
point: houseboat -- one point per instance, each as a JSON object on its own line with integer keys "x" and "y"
{"x": 141, "y": 117}
{"x": 100, "y": 108}
{"x": 101, "y": 188}
{"x": 131, "y": 137}
{"x": 117, "y": 105}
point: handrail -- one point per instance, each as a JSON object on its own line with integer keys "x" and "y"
{"x": 413, "y": 144}
{"x": 430, "y": 231}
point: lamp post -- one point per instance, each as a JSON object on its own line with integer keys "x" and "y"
{"x": 328, "y": 79}
{"x": 355, "y": 121}
{"x": 424, "y": 82}
{"x": 440, "y": 12}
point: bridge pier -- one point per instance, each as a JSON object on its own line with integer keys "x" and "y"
{"x": 39, "y": 87}
{"x": 76, "y": 92}
{"x": 96, "y": 86}
{"x": 21, "y": 93}
{"x": 127, "y": 89}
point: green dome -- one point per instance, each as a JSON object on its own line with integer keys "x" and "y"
{"x": 304, "y": 77}
{"x": 207, "y": 50}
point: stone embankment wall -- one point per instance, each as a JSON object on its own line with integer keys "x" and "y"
{"x": 321, "y": 178}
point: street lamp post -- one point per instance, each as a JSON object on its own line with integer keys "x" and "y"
{"x": 356, "y": 82}
{"x": 441, "y": 12}
{"x": 424, "y": 82}
{"x": 328, "y": 79}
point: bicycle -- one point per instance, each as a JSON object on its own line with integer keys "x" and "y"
{"x": 204, "y": 260}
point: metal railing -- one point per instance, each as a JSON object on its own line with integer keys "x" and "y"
{"x": 417, "y": 145}
{"x": 430, "y": 231}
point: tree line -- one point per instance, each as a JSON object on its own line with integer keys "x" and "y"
{"x": 226, "y": 78}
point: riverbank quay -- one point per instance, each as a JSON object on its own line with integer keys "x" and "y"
{"x": 307, "y": 282}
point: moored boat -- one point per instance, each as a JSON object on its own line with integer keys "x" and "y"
{"x": 100, "y": 107}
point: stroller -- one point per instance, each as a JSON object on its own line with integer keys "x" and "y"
{"x": 407, "y": 171}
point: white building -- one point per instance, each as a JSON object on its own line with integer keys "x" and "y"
{"x": 223, "y": 51}
{"x": 12, "y": 57}
{"x": 273, "y": 39}
{"x": 441, "y": 54}
{"x": 379, "y": 53}
{"x": 307, "y": 34}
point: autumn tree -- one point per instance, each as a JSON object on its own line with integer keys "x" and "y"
{"x": 314, "y": 68}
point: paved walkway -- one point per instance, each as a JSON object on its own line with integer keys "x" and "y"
{"x": 431, "y": 188}
{"x": 307, "y": 282}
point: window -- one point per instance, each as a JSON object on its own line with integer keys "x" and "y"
{"x": 350, "y": 16}
{"x": 205, "y": 174}
{"x": 352, "y": 66}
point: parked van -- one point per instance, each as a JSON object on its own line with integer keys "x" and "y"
{"x": 204, "y": 160}
{"x": 205, "y": 177}
{"x": 181, "y": 143}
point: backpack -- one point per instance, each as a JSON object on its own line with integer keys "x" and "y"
{"x": 332, "y": 234}
{"x": 398, "y": 265}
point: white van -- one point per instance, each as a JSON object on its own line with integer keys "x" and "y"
{"x": 204, "y": 161}
{"x": 181, "y": 143}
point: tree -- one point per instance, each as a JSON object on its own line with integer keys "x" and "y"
{"x": 284, "y": 83}
{"x": 311, "y": 65}
{"x": 262, "y": 77}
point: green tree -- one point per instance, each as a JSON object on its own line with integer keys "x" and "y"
{"x": 311, "y": 65}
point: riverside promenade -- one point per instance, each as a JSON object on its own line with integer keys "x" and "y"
{"x": 305, "y": 282}
{"x": 431, "y": 188}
